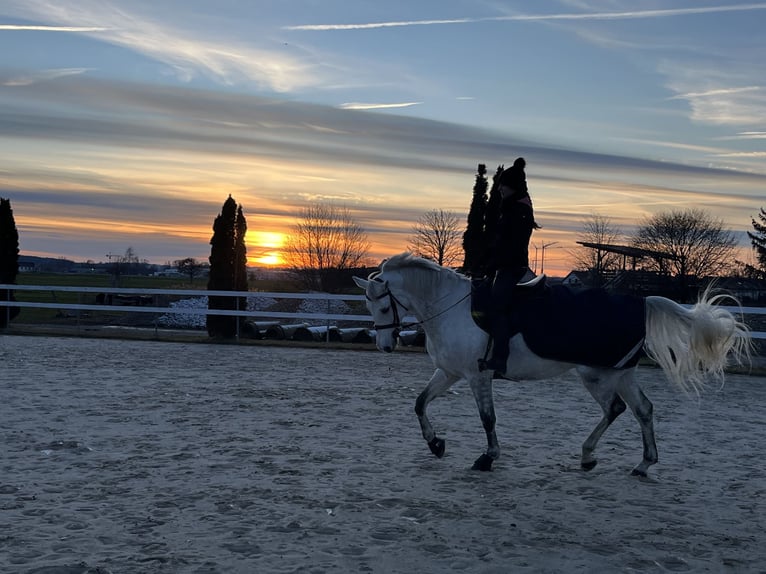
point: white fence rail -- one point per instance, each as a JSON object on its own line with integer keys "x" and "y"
{"x": 328, "y": 316}
{"x": 180, "y": 293}
{"x": 79, "y": 307}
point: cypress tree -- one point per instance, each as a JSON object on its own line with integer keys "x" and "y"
{"x": 221, "y": 278}
{"x": 758, "y": 239}
{"x": 473, "y": 237}
{"x": 491, "y": 218}
{"x": 9, "y": 259}
{"x": 240, "y": 259}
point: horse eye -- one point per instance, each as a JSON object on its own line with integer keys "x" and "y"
{"x": 385, "y": 309}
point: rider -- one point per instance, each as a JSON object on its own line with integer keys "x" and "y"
{"x": 510, "y": 258}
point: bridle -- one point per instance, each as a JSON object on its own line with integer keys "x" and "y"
{"x": 397, "y": 324}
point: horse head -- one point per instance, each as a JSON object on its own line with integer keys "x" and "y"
{"x": 385, "y": 309}
{"x": 403, "y": 285}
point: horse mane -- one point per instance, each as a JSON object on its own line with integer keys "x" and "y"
{"x": 425, "y": 272}
{"x": 406, "y": 260}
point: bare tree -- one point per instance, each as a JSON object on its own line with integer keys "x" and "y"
{"x": 699, "y": 243}
{"x": 437, "y": 236}
{"x": 324, "y": 244}
{"x": 189, "y": 267}
{"x": 128, "y": 264}
{"x": 597, "y": 230}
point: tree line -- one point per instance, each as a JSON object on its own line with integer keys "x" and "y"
{"x": 327, "y": 245}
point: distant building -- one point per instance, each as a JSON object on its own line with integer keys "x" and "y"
{"x": 27, "y": 267}
{"x": 747, "y": 291}
{"x": 578, "y": 279}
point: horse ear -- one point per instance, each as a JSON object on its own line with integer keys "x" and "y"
{"x": 361, "y": 283}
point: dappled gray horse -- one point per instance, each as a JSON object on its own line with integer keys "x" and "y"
{"x": 690, "y": 345}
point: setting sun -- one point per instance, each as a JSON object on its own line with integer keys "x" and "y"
{"x": 270, "y": 259}
{"x": 264, "y": 247}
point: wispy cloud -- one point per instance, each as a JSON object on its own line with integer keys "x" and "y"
{"x": 751, "y": 135}
{"x": 621, "y": 15}
{"x": 742, "y": 106}
{"x": 747, "y": 154}
{"x": 370, "y": 106}
{"x": 188, "y": 52}
{"x": 717, "y": 92}
{"x": 675, "y": 145}
{"x": 41, "y": 76}
{"x": 395, "y": 24}
{"x": 31, "y": 28}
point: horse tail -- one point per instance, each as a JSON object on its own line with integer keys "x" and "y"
{"x": 694, "y": 344}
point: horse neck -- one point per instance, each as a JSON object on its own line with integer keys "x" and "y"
{"x": 431, "y": 293}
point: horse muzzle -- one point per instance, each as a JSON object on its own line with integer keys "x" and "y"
{"x": 390, "y": 345}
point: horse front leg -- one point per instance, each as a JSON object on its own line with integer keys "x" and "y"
{"x": 482, "y": 391}
{"x": 437, "y": 385}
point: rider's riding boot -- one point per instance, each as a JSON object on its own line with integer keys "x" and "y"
{"x": 501, "y": 338}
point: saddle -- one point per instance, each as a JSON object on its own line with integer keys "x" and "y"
{"x": 588, "y": 327}
{"x": 481, "y": 296}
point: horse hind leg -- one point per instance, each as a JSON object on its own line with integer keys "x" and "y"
{"x": 643, "y": 410}
{"x": 437, "y": 385}
{"x": 602, "y": 385}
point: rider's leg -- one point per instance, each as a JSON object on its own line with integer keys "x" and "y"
{"x": 502, "y": 291}
{"x": 501, "y": 338}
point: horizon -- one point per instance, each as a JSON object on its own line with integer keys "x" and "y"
{"x": 127, "y": 124}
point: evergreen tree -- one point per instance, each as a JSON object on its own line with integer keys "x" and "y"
{"x": 473, "y": 237}
{"x": 491, "y": 218}
{"x": 222, "y": 270}
{"x": 240, "y": 259}
{"x": 9, "y": 259}
{"x": 758, "y": 239}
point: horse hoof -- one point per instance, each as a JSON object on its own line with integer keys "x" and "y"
{"x": 639, "y": 473}
{"x": 483, "y": 463}
{"x": 437, "y": 446}
{"x": 590, "y": 465}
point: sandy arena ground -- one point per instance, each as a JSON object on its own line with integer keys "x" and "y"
{"x": 153, "y": 457}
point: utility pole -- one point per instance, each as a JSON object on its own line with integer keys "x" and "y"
{"x": 114, "y": 270}
{"x": 542, "y": 257}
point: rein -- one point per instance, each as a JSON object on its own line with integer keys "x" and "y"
{"x": 397, "y": 322}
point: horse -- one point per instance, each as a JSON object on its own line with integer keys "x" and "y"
{"x": 691, "y": 345}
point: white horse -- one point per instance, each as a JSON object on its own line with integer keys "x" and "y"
{"x": 688, "y": 344}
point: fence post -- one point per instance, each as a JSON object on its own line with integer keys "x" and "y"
{"x": 236, "y": 318}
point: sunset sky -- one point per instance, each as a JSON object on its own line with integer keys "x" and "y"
{"x": 127, "y": 123}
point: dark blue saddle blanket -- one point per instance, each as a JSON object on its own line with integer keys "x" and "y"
{"x": 587, "y": 327}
